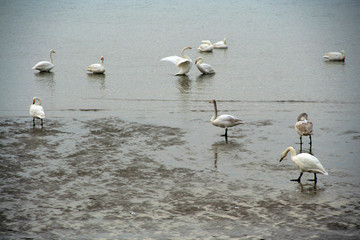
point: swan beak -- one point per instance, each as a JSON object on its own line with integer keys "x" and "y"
{"x": 189, "y": 48}
{"x": 211, "y": 101}
{"x": 34, "y": 101}
{"x": 282, "y": 157}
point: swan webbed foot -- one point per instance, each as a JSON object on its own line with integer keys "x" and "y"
{"x": 313, "y": 180}
{"x": 298, "y": 179}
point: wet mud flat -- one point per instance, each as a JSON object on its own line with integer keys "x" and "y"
{"x": 110, "y": 179}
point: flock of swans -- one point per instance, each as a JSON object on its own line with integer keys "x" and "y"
{"x": 304, "y": 127}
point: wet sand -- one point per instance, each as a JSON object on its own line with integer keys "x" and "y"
{"x": 112, "y": 179}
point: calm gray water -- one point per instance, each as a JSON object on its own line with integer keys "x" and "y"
{"x": 131, "y": 154}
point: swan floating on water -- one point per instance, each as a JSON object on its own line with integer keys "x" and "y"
{"x": 304, "y": 127}
{"x": 45, "y": 66}
{"x": 306, "y": 162}
{"x": 97, "y": 67}
{"x": 204, "y": 67}
{"x": 221, "y": 44}
{"x": 36, "y": 110}
{"x": 184, "y": 62}
{"x": 206, "y": 46}
{"x": 335, "y": 56}
{"x": 223, "y": 121}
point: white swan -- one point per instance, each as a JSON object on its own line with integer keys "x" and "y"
{"x": 223, "y": 121}
{"x": 45, "y": 66}
{"x": 206, "y": 46}
{"x": 304, "y": 127}
{"x": 97, "y": 67}
{"x": 221, "y": 44}
{"x": 335, "y": 56}
{"x": 204, "y": 67}
{"x": 184, "y": 62}
{"x": 36, "y": 110}
{"x": 306, "y": 162}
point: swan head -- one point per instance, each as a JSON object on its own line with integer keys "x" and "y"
{"x": 102, "y": 58}
{"x": 52, "y": 51}
{"x": 303, "y": 116}
{"x": 36, "y": 98}
{"x": 284, "y": 154}
{"x": 188, "y": 48}
{"x": 212, "y": 101}
{"x": 199, "y": 59}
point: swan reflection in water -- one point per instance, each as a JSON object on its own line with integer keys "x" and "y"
{"x": 97, "y": 78}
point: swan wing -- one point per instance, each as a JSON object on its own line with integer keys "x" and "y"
{"x": 333, "y": 56}
{"x": 226, "y": 121}
{"x": 304, "y": 128}
{"x": 205, "y": 68}
{"x": 96, "y": 68}
{"x": 37, "y": 111}
{"x": 206, "y": 47}
{"x": 43, "y": 66}
{"x": 308, "y": 163}
{"x": 178, "y": 61}
{"x": 220, "y": 44}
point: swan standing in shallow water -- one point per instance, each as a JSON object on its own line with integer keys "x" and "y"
{"x": 221, "y": 44}
{"x": 184, "y": 62}
{"x": 304, "y": 127}
{"x": 335, "y": 56}
{"x": 206, "y": 46}
{"x": 97, "y": 67}
{"x": 223, "y": 121}
{"x": 45, "y": 66}
{"x": 306, "y": 162}
{"x": 36, "y": 110}
{"x": 204, "y": 67}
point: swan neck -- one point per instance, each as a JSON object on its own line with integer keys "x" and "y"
{"x": 51, "y": 60}
{"x": 292, "y": 151}
{"x": 215, "y": 110}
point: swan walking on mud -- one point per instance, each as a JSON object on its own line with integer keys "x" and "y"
{"x": 97, "y": 67}
{"x": 335, "y": 56}
{"x": 306, "y": 162}
{"x": 36, "y": 110}
{"x": 223, "y": 121}
{"x": 304, "y": 127}
{"x": 45, "y": 66}
{"x": 184, "y": 62}
{"x": 204, "y": 67}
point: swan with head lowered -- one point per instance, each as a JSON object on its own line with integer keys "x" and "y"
{"x": 45, "y": 66}
{"x": 335, "y": 56}
{"x": 304, "y": 127}
{"x": 184, "y": 62}
{"x": 221, "y": 44}
{"x": 223, "y": 121}
{"x": 97, "y": 67}
{"x": 206, "y": 46}
{"x": 306, "y": 162}
{"x": 204, "y": 67}
{"x": 36, "y": 110}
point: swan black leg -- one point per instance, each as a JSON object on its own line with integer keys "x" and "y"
{"x": 42, "y": 123}
{"x": 310, "y": 140}
{"x": 315, "y": 178}
{"x": 300, "y": 140}
{"x": 297, "y": 180}
{"x": 33, "y": 122}
{"x": 225, "y": 135}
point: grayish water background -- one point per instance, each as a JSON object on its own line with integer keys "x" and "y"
{"x": 132, "y": 154}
